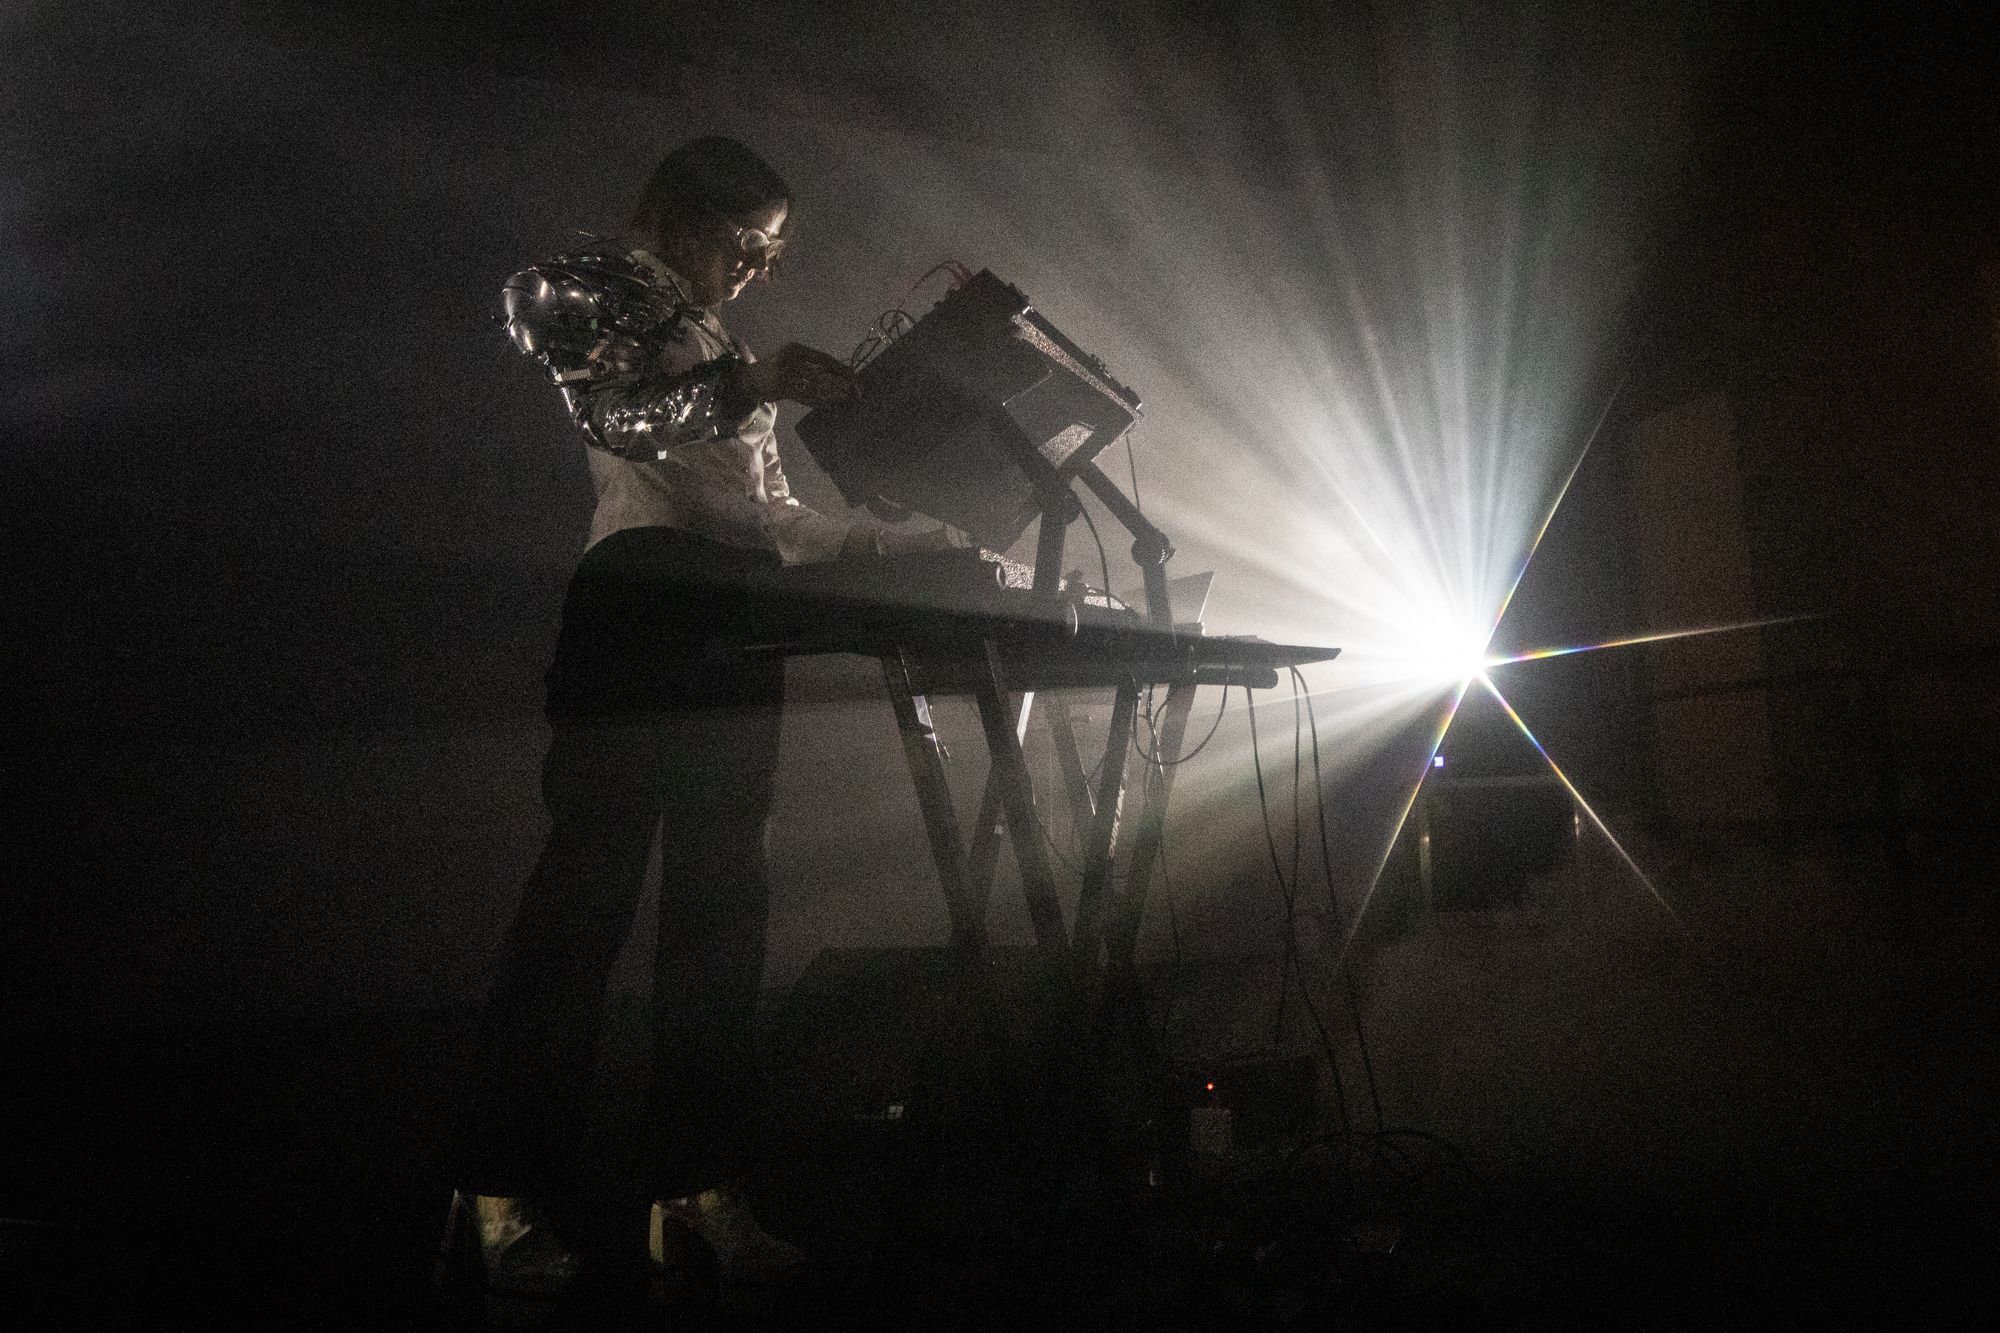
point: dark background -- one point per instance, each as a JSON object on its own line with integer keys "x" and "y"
{"x": 287, "y": 523}
{"x": 289, "y": 529}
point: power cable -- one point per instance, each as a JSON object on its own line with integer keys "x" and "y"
{"x": 1103, "y": 563}
{"x": 894, "y": 323}
{"x": 1155, "y": 759}
{"x": 1286, "y": 892}
{"x": 1326, "y": 866}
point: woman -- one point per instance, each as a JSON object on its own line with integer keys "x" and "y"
{"x": 652, "y": 731}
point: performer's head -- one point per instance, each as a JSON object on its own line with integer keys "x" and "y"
{"x": 714, "y": 211}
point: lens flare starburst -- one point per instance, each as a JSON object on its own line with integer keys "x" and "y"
{"x": 1466, "y": 671}
{"x": 1575, "y": 795}
{"x": 1476, "y": 669}
{"x": 1439, "y": 655}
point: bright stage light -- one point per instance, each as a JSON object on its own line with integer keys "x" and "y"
{"x": 1478, "y": 672}
{"x": 1448, "y": 655}
{"x": 1375, "y": 312}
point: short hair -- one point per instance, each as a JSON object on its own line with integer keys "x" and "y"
{"x": 704, "y": 179}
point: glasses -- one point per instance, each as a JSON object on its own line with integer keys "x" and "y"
{"x": 758, "y": 244}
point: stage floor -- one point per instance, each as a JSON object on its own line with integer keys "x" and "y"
{"x": 291, "y": 1175}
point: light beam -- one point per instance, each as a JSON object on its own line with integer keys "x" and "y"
{"x": 1539, "y": 654}
{"x": 1577, "y": 796}
{"x": 1368, "y": 895}
{"x": 1562, "y": 492}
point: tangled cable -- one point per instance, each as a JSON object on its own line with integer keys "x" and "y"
{"x": 893, "y": 323}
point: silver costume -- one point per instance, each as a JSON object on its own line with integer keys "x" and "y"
{"x": 657, "y": 387}
{"x": 601, "y": 323}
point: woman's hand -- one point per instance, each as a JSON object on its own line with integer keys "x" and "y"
{"x": 871, "y": 539}
{"x": 800, "y": 374}
{"x": 939, "y": 538}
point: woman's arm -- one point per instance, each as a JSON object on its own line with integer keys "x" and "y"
{"x": 581, "y": 319}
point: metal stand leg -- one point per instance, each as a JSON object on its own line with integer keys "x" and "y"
{"x": 1130, "y": 907}
{"x": 925, "y": 754}
{"x": 1083, "y": 807}
{"x": 1097, "y": 855}
{"x": 1128, "y": 1057}
{"x": 986, "y": 833}
{"x": 1010, "y": 770}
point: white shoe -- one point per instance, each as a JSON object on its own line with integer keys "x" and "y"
{"x": 745, "y": 1253}
{"x": 511, "y": 1246}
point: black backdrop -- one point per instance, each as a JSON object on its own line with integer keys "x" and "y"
{"x": 287, "y": 527}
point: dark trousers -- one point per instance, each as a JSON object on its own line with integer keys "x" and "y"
{"x": 653, "y": 731}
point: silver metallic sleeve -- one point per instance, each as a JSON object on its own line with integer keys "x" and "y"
{"x": 652, "y": 416}
{"x": 586, "y": 325}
